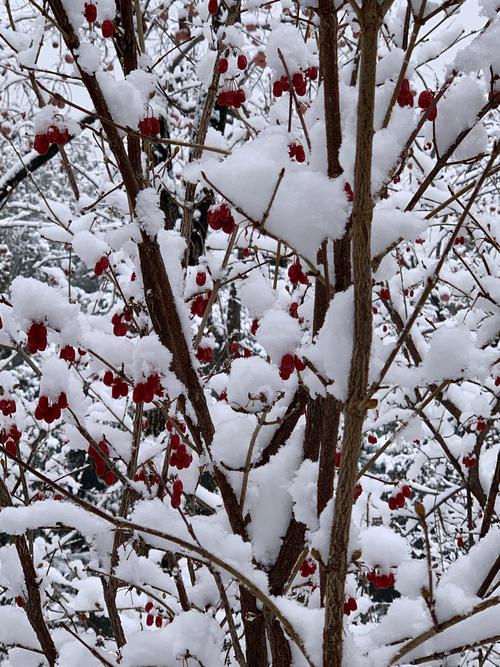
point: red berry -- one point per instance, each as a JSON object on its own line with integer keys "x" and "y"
{"x": 393, "y": 503}
{"x": 222, "y": 66}
{"x": 242, "y": 62}
{"x": 372, "y": 439}
{"x": 62, "y": 401}
{"x": 159, "y": 621}
{"x": 312, "y": 73}
{"x": 287, "y": 366}
{"x": 349, "y": 192}
{"x": 212, "y": 7}
{"x": 358, "y": 490}
{"x": 90, "y": 12}
{"x": 108, "y": 378}
{"x": 149, "y": 619}
{"x": 406, "y": 491}
{"x": 41, "y": 144}
{"x": 298, "y": 80}
{"x": 109, "y": 478}
{"x": 19, "y": 601}
{"x": 300, "y": 154}
{"x": 277, "y": 92}
{"x": 481, "y": 425}
{"x": 67, "y": 353}
{"x": 384, "y": 294}
{"x": 299, "y": 364}
{"x": 148, "y": 606}
{"x": 425, "y": 99}
{"x": 10, "y": 447}
{"x": 433, "y": 115}
{"x": 101, "y": 265}
{"x": 405, "y": 97}
{"x": 108, "y": 28}
{"x": 201, "y": 278}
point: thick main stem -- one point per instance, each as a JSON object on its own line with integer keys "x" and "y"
{"x": 362, "y": 336}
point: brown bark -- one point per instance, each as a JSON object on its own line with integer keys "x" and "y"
{"x": 33, "y": 602}
{"x": 280, "y": 648}
{"x": 255, "y": 630}
{"x": 370, "y": 18}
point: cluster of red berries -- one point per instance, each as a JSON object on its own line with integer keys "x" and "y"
{"x": 199, "y": 305}
{"x": 298, "y": 81}
{"x": 53, "y": 135}
{"x": 405, "y": 96}
{"x": 239, "y": 351}
{"x": 220, "y": 217}
{"x": 460, "y": 240}
{"x": 37, "y": 337}
{"x": 149, "y": 126}
{"x": 7, "y": 407}
{"x": 118, "y": 384}
{"x": 296, "y": 151}
{"x": 101, "y": 467}
{"x": 469, "y": 461}
{"x": 223, "y": 64}
{"x": 175, "y": 498}
{"x": 144, "y": 392}
{"x": 90, "y": 13}
{"x": 50, "y": 412}
{"x": 397, "y": 500}
{"x": 201, "y": 278}
{"x": 308, "y": 567}
{"x": 350, "y": 605}
{"x": 381, "y": 581}
{"x": 151, "y": 619}
{"x": 204, "y": 354}
{"x": 384, "y": 294}
{"x": 41, "y": 496}
{"x": 231, "y": 98}
{"x": 288, "y": 364}
{"x": 119, "y": 326}
{"x": 143, "y": 476}
{"x": 11, "y": 439}
{"x": 296, "y": 274}
{"x": 180, "y": 458}
{"x": 101, "y": 265}
{"x": 425, "y": 100}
